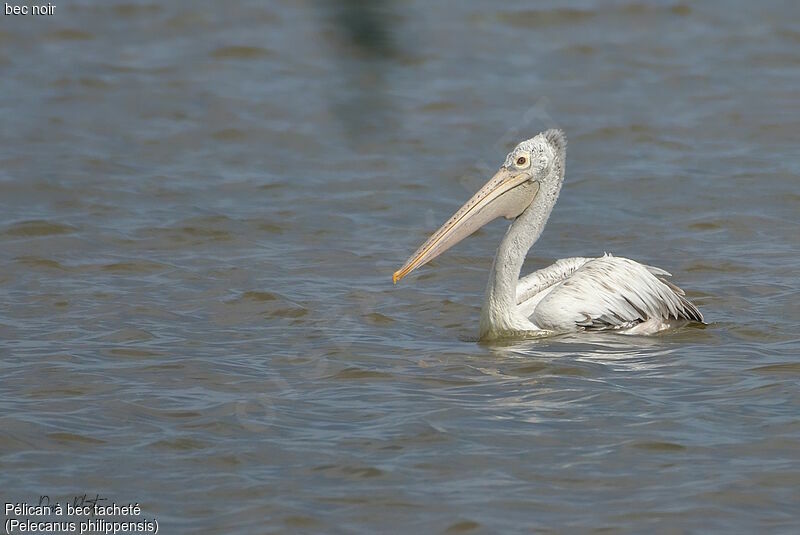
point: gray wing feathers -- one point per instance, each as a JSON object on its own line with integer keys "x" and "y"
{"x": 540, "y": 280}
{"x": 657, "y": 271}
{"x": 614, "y": 293}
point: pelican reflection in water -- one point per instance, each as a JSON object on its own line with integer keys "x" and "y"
{"x": 573, "y": 294}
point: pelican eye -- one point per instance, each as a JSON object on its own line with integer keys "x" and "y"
{"x": 522, "y": 161}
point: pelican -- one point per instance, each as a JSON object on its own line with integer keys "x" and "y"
{"x": 608, "y": 293}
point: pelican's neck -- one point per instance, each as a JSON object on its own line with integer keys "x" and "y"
{"x": 500, "y": 313}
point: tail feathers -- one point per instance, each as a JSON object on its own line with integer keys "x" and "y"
{"x": 690, "y": 310}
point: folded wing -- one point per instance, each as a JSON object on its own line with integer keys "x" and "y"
{"x": 609, "y": 293}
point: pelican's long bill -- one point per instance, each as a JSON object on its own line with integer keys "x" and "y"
{"x": 507, "y": 194}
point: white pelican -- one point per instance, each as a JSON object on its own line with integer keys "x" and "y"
{"x": 573, "y": 294}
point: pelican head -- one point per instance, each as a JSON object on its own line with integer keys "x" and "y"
{"x": 532, "y": 164}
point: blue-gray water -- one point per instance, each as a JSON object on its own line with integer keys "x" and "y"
{"x": 202, "y": 204}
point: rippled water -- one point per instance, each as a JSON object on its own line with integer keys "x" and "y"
{"x": 202, "y": 203}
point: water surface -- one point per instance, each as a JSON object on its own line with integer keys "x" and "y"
{"x": 202, "y": 204}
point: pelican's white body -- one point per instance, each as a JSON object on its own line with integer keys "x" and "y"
{"x": 573, "y": 294}
{"x": 606, "y": 293}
